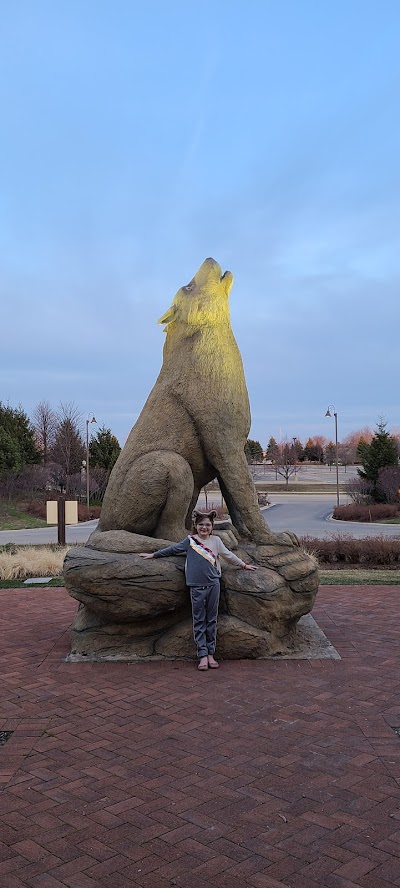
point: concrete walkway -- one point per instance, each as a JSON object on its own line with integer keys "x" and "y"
{"x": 263, "y": 774}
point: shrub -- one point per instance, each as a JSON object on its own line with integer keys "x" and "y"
{"x": 341, "y": 549}
{"x": 35, "y": 507}
{"x": 85, "y": 515}
{"x": 371, "y": 512}
{"x": 359, "y": 490}
{"x": 38, "y": 509}
{"x": 388, "y": 484}
{"x": 220, "y": 510}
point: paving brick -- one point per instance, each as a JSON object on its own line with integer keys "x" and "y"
{"x": 334, "y": 881}
{"x": 202, "y": 852}
{"x": 210, "y": 868}
{"x": 390, "y": 870}
{"x": 268, "y": 775}
{"x": 45, "y": 880}
{"x": 262, "y": 880}
{"x": 355, "y": 868}
{"x": 73, "y": 867}
{"x": 373, "y": 881}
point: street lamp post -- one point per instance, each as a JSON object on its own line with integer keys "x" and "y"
{"x": 328, "y": 413}
{"x": 91, "y": 418}
{"x": 295, "y": 456}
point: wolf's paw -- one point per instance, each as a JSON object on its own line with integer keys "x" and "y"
{"x": 286, "y": 538}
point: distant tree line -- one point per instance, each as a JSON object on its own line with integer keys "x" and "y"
{"x": 47, "y": 453}
{"x": 376, "y": 453}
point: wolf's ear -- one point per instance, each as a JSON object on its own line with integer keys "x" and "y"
{"x": 227, "y": 281}
{"x": 168, "y": 316}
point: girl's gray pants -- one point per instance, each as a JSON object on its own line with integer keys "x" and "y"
{"x": 205, "y": 601}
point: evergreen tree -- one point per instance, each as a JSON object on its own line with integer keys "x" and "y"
{"x": 380, "y": 453}
{"x": 17, "y": 440}
{"x": 298, "y": 448}
{"x": 272, "y": 449}
{"x": 330, "y": 453}
{"x": 362, "y": 450}
{"x": 104, "y": 449}
{"x": 313, "y": 451}
{"x": 253, "y": 451}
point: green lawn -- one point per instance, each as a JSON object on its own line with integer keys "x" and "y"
{"x": 390, "y": 521}
{"x": 19, "y": 584}
{"x": 12, "y": 518}
{"x": 348, "y": 577}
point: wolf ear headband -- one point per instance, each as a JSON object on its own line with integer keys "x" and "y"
{"x": 197, "y": 516}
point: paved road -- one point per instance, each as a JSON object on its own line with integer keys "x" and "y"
{"x": 39, "y": 536}
{"x": 304, "y": 514}
{"x": 309, "y": 515}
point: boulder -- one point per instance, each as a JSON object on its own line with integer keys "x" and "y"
{"x": 131, "y": 608}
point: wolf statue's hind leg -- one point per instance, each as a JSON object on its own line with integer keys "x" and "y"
{"x": 151, "y": 498}
{"x": 171, "y": 524}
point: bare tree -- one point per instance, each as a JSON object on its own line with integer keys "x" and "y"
{"x": 388, "y": 484}
{"x": 286, "y": 461}
{"x": 359, "y": 491}
{"x": 349, "y": 445}
{"x": 44, "y": 421}
{"x": 68, "y": 449}
{"x": 98, "y": 481}
{"x": 346, "y": 454}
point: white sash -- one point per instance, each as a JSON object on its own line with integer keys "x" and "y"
{"x": 203, "y": 551}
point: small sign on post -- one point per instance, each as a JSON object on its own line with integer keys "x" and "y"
{"x": 61, "y": 521}
{"x": 62, "y": 512}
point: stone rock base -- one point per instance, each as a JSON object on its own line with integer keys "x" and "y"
{"x": 137, "y": 609}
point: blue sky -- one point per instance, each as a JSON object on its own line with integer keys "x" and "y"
{"x": 138, "y": 139}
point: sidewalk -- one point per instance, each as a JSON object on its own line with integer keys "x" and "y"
{"x": 264, "y": 774}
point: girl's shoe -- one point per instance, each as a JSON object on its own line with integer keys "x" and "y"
{"x": 212, "y": 664}
{"x": 203, "y": 664}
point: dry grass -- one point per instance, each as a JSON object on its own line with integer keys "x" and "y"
{"x": 31, "y": 561}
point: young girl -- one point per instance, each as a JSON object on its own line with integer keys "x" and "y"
{"x": 203, "y": 570}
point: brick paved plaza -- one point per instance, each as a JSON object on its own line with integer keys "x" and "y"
{"x": 263, "y": 774}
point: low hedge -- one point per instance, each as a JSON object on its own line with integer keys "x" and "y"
{"x": 372, "y": 512}
{"x": 377, "y": 551}
{"x": 38, "y": 509}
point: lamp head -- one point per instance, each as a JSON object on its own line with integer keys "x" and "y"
{"x": 328, "y": 412}
{"x": 94, "y": 420}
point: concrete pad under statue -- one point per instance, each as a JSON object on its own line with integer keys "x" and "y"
{"x": 192, "y": 429}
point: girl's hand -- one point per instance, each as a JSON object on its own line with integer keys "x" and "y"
{"x": 145, "y": 554}
{"x": 250, "y": 567}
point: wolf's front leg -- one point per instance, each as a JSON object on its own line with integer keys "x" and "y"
{"x": 240, "y": 495}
